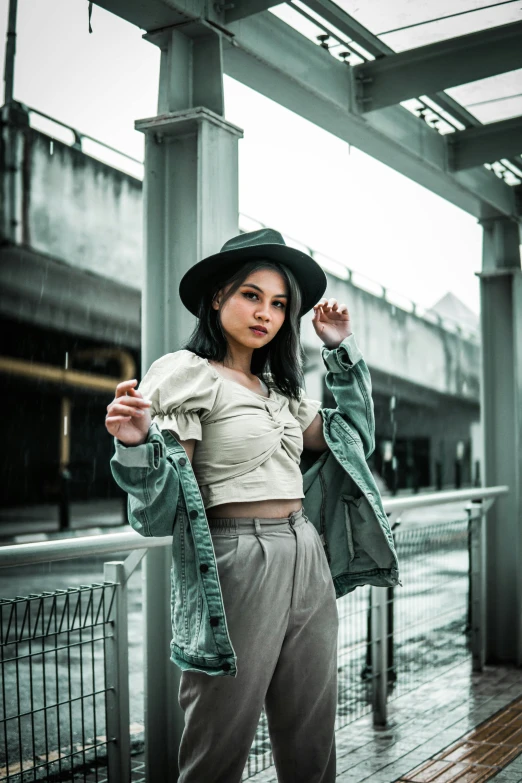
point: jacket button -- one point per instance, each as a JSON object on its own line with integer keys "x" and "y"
{"x": 182, "y": 462}
{"x": 214, "y": 621}
{"x": 193, "y": 514}
{"x": 203, "y": 568}
{"x": 225, "y": 667}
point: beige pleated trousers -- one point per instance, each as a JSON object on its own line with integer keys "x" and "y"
{"x": 282, "y": 617}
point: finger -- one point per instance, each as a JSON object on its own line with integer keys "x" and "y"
{"x": 332, "y": 304}
{"x": 321, "y": 303}
{"x": 343, "y": 309}
{"x": 123, "y": 387}
{"x": 137, "y": 402}
{"x": 112, "y": 419}
{"x": 124, "y": 410}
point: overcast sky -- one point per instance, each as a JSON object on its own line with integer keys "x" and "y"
{"x": 293, "y": 176}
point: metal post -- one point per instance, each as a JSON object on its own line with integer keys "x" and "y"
{"x": 477, "y": 519}
{"x": 10, "y": 52}
{"x": 164, "y": 719}
{"x": 117, "y": 679}
{"x": 379, "y": 600}
{"x": 501, "y": 323}
{"x": 190, "y": 209}
{"x": 191, "y": 201}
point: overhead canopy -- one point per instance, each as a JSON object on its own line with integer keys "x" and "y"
{"x": 433, "y": 92}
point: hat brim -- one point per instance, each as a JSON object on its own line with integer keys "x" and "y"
{"x": 213, "y": 269}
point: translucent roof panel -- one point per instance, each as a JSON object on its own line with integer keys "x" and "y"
{"x": 496, "y": 98}
{"x": 407, "y": 24}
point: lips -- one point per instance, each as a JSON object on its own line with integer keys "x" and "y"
{"x": 258, "y": 330}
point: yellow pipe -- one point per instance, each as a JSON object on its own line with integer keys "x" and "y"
{"x": 127, "y": 364}
{"x": 46, "y": 372}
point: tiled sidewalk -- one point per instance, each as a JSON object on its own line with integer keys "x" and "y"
{"x": 421, "y": 724}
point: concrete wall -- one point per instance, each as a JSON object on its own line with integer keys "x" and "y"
{"x": 401, "y": 344}
{"x": 82, "y": 211}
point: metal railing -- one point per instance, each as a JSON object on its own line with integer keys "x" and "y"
{"x": 388, "y": 644}
{"x": 55, "y": 686}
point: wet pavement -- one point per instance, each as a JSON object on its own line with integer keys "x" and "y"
{"x": 423, "y": 723}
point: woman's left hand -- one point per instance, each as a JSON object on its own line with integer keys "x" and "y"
{"x": 331, "y": 322}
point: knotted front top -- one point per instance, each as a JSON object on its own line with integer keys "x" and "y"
{"x": 248, "y": 446}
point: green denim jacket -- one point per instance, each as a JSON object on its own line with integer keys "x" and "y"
{"x": 341, "y": 500}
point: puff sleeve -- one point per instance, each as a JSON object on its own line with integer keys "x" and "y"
{"x": 304, "y": 410}
{"x": 182, "y": 390}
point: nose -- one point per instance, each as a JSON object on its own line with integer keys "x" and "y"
{"x": 263, "y": 312}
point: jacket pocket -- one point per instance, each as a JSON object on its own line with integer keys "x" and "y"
{"x": 346, "y": 500}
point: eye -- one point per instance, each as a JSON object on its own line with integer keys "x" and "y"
{"x": 247, "y": 294}
{"x": 282, "y": 305}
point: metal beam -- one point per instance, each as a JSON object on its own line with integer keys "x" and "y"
{"x": 390, "y": 80}
{"x": 240, "y": 9}
{"x": 333, "y": 14}
{"x": 152, "y": 15}
{"x": 485, "y": 144}
{"x": 269, "y": 56}
{"x": 272, "y": 58}
{"x": 155, "y": 15}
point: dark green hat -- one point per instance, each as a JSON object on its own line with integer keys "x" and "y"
{"x": 265, "y": 244}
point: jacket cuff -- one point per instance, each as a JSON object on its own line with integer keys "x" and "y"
{"x": 148, "y": 455}
{"x": 343, "y": 357}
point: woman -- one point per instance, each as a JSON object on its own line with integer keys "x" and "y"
{"x": 252, "y": 588}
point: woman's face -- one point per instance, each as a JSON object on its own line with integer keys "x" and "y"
{"x": 254, "y": 313}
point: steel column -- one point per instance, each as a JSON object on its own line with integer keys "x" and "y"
{"x": 190, "y": 184}
{"x": 501, "y": 297}
{"x": 190, "y": 209}
{"x": 163, "y": 716}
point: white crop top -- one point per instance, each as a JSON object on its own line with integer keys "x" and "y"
{"x": 248, "y": 446}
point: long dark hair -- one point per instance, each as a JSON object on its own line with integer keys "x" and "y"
{"x": 280, "y": 362}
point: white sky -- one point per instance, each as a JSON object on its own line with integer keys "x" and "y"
{"x": 294, "y": 176}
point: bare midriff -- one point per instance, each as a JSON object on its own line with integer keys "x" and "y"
{"x": 263, "y": 509}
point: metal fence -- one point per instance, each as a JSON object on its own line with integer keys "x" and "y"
{"x": 56, "y": 681}
{"x": 428, "y": 618}
{"x": 65, "y": 654}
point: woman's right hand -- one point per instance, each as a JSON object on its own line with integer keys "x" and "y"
{"x": 128, "y": 416}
